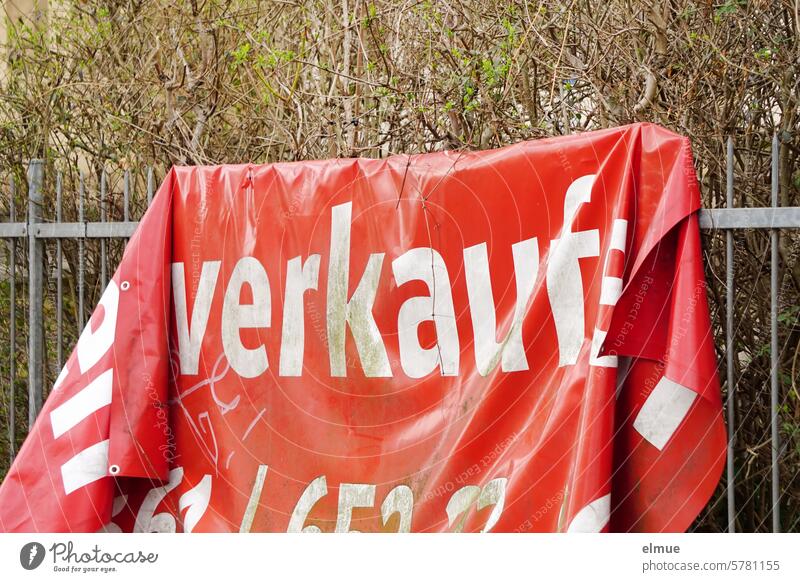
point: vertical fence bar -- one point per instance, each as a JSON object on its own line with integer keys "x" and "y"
{"x": 35, "y": 291}
{"x": 774, "y": 356}
{"x": 150, "y": 185}
{"x": 59, "y": 281}
{"x": 126, "y": 200}
{"x": 81, "y": 253}
{"x": 12, "y": 330}
{"x": 103, "y": 278}
{"x": 126, "y": 197}
{"x": 729, "y": 345}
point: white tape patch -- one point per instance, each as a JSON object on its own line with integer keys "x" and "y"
{"x": 663, "y": 412}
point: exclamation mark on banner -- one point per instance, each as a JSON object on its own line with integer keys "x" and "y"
{"x": 610, "y": 292}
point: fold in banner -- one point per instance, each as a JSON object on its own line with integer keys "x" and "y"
{"x": 512, "y": 340}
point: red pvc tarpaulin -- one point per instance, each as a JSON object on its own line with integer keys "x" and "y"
{"x": 508, "y": 340}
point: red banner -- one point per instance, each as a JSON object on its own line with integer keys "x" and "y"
{"x": 510, "y": 340}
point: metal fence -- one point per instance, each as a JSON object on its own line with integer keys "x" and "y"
{"x": 35, "y": 231}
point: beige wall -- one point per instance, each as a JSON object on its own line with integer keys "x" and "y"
{"x": 15, "y": 11}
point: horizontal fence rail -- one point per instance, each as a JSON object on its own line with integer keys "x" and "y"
{"x": 73, "y": 230}
{"x": 741, "y": 218}
{"x": 710, "y": 219}
{"x": 35, "y": 232}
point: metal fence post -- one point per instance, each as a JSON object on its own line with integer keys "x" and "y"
{"x": 729, "y": 346}
{"x": 35, "y": 291}
{"x": 12, "y": 330}
{"x": 775, "y": 385}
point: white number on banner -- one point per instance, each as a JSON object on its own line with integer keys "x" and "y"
{"x": 196, "y": 500}
{"x": 146, "y": 522}
{"x": 493, "y": 493}
{"x": 400, "y": 500}
{"x": 315, "y": 491}
{"x": 459, "y": 503}
{"x": 352, "y": 495}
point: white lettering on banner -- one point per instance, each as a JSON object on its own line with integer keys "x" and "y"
{"x": 90, "y": 464}
{"x": 594, "y": 358}
{"x": 356, "y": 313}
{"x": 85, "y": 467}
{"x": 247, "y": 362}
{"x": 611, "y": 288}
{"x": 61, "y": 377}
{"x": 92, "y": 345}
{"x": 190, "y": 338}
{"x": 299, "y": 278}
{"x": 610, "y": 292}
{"x": 425, "y": 264}
{"x": 484, "y": 322}
{"x": 564, "y": 290}
{"x": 564, "y": 281}
{"x": 86, "y": 401}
